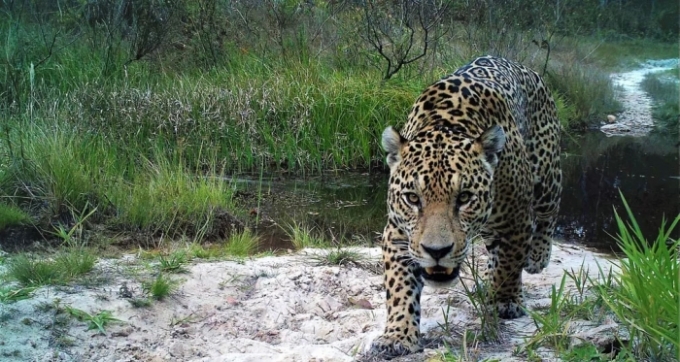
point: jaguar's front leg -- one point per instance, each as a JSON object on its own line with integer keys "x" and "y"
{"x": 504, "y": 274}
{"x": 403, "y": 285}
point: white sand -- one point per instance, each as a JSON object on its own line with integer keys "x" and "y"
{"x": 282, "y": 308}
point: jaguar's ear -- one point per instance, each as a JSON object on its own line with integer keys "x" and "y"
{"x": 392, "y": 143}
{"x": 492, "y": 142}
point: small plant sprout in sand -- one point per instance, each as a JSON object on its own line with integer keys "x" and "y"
{"x": 10, "y": 295}
{"x": 481, "y": 296}
{"x": 98, "y": 321}
{"x": 173, "y": 263}
{"x": 160, "y": 288}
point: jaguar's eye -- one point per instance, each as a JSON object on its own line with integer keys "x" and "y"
{"x": 464, "y": 198}
{"x": 412, "y": 199}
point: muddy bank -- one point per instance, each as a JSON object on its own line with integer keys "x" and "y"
{"x": 285, "y": 308}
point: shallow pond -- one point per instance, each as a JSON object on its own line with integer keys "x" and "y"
{"x": 351, "y": 207}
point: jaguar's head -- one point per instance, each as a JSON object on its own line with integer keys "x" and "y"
{"x": 440, "y": 193}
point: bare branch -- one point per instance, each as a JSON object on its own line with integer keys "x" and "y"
{"x": 401, "y": 33}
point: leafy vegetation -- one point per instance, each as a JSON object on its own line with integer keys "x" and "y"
{"x": 340, "y": 257}
{"x": 241, "y": 244}
{"x": 173, "y": 263}
{"x": 305, "y": 237}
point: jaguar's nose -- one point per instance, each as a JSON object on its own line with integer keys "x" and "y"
{"x": 438, "y": 253}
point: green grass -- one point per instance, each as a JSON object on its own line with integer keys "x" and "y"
{"x": 340, "y": 257}
{"x": 242, "y": 244}
{"x": 200, "y": 251}
{"x": 554, "y": 324}
{"x": 10, "y": 295}
{"x": 664, "y": 90}
{"x": 173, "y": 263}
{"x": 627, "y": 54}
{"x": 165, "y": 196}
{"x": 160, "y": 287}
{"x": 584, "y": 94}
{"x": 59, "y": 168}
{"x": 281, "y": 114}
{"x": 148, "y": 145}
{"x": 68, "y": 265}
{"x": 68, "y": 172}
{"x": 643, "y": 296}
{"x": 304, "y": 237}
{"x": 646, "y": 294}
{"x": 11, "y": 215}
{"x": 481, "y": 297}
{"x": 97, "y": 321}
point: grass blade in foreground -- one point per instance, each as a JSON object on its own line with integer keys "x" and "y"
{"x": 646, "y": 295}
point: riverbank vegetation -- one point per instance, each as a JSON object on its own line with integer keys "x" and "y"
{"x": 138, "y": 113}
{"x": 664, "y": 88}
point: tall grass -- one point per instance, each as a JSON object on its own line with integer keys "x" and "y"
{"x": 664, "y": 89}
{"x": 55, "y": 166}
{"x": 584, "y": 94}
{"x": 62, "y": 170}
{"x": 646, "y": 293}
{"x": 165, "y": 196}
{"x": 241, "y": 244}
{"x": 146, "y": 142}
{"x": 285, "y": 115}
{"x": 65, "y": 267}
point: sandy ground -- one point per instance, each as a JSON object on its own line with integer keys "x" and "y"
{"x": 284, "y": 308}
{"x": 636, "y": 117}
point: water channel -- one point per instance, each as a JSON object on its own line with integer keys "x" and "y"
{"x": 597, "y": 165}
{"x": 352, "y": 207}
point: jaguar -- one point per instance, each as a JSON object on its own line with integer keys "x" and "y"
{"x": 478, "y": 158}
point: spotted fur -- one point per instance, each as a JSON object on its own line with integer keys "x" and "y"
{"x": 479, "y": 156}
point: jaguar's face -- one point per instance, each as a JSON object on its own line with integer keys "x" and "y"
{"x": 440, "y": 195}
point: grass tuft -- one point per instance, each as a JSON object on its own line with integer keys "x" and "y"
{"x": 340, "y": 257}
{"x": 11, "y": 215}
{"x": 645, "y": 296}
{"x": 174, "y": 263}
{"x": 242, "y": 244}
{"x": 97, "y": 321}
{"x": 160, "y": 288}
{"x": 665, "y": 92}
{"x": 304, "y": 237}
{"x": 10, "y": 295}
{"x": 65, "y": 267}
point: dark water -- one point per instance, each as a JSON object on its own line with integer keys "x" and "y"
{"x": 351, "y": 207}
